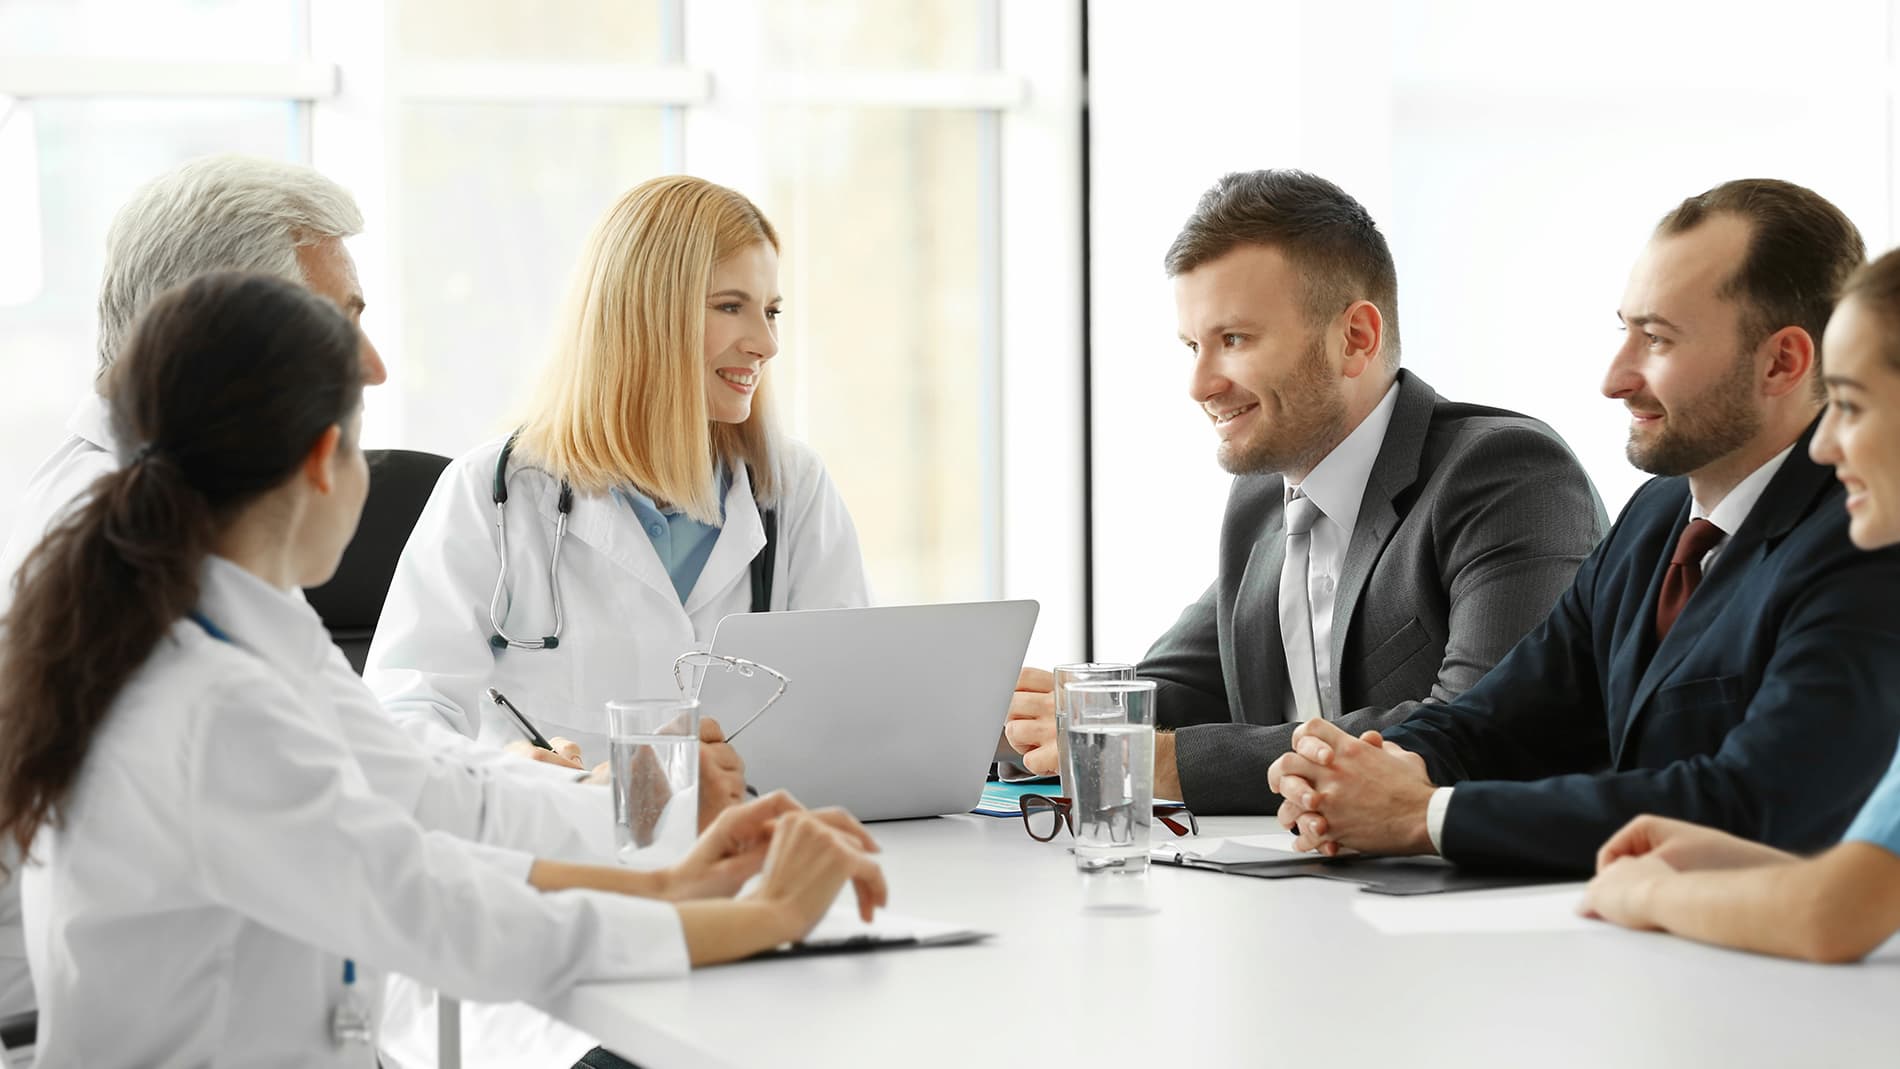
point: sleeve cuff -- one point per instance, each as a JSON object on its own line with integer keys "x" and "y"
{"x": 1435, "y": 818}
{"x": 515, "y": 863}
{"x": 648, "y": 941}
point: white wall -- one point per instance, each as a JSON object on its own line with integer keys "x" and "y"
{"x": 1515, "y": 155}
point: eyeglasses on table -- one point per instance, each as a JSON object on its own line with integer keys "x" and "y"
{"x": 1046, "y": 814}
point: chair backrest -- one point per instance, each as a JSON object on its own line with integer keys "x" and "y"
{"x": 400, "y": 482}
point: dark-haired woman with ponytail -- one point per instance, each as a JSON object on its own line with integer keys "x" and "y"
{"x": 209, "y": 878}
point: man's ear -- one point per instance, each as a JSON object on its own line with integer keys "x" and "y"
{"x": 1365, "y": 338}
{"x": 319, "y": 465}
{"x": 1791, "y": 358}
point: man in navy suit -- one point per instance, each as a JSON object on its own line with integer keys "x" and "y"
{"x": 1726, "y": 656}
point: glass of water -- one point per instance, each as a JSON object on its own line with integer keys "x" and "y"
{"x": 1067, "y": 674}
{"x": 653, "y": 755}
{"x": 1112, "y": 758}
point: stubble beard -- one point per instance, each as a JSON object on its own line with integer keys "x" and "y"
{"x": 1308, "y": 427}
{"x": 1707, "y": 429}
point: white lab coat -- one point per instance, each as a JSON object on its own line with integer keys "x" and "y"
{"x": 456, "y": 785}
{"x": 223, "y": 851}
{"x": 431, "y": 663}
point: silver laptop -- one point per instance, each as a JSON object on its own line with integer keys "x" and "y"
{"x": 890, "y": 712}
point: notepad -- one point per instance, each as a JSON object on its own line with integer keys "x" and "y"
{"x": 1230, "y": 850}
{"x": 841, "y": 932}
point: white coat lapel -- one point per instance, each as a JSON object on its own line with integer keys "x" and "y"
{"x": 739, "y": 541}
{"x": 607, "y": 526}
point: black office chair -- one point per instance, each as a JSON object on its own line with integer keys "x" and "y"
{"x": 17, "y": 1036}
{"x": 400, "y": 482}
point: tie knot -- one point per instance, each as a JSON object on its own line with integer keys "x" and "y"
{"x": 1696, "y": 541}
{"x": 1301, "y": 515}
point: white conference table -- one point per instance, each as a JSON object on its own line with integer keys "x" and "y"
{"x": 1231, "y": 970}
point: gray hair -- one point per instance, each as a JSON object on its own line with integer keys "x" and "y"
{"x": 225, "y": 212}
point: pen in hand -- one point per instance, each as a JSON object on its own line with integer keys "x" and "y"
{"x": 527, "y": 727}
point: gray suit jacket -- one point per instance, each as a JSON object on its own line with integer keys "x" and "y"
{"x": 1474, "y": 521}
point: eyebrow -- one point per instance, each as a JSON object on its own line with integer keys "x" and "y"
{"x": 1647, "y": 319}
{"x": 356, "y": 303}
{"x": 1240, "y": 326}
{"x": 1841, "y": 382}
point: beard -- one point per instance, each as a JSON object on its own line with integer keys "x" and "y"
{"x": 1716, "y": 423}
{"x": 1308, "y": 420}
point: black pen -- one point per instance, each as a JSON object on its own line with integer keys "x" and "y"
{"x": 527, "y": 728}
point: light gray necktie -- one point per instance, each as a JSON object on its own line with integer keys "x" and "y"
{"x": 1296, "y": 614}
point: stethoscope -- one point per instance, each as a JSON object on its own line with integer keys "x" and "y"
{"x": 499, "y": 638}
{"x": 761, "y": 567}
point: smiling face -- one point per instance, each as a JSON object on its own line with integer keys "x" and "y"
{"x": 1686, "y": 373}
{"x": 742, "y": 309}
{"x": 1264, "y": 375}
{"x": 1860, "y": 435}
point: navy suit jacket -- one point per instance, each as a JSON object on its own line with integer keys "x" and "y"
{"x": 1770, "y": 711}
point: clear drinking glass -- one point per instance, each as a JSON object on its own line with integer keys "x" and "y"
{"x": 653, "y": 754}
{"x": 1077, "y": 673}
{"x": 1112, "y": 754}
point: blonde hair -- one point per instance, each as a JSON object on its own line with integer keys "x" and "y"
{"x": 623, "y": 398}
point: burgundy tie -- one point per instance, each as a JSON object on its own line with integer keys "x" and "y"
{"x": 1685, "y": 572}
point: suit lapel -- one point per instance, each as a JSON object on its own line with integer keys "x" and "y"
{"x": 1395, "y": 470}
{"x": 1636, "y": 648}
{"x": 1787, "y": 500}
{"x": 1256, "y": 625}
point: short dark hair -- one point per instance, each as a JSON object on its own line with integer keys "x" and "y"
{"x": 1326, "y": 234}
{"x": 1801, "y": 250}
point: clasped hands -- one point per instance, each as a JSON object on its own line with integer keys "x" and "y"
{"x": 804, "y": 853}
{"x": 1347, "y": 793}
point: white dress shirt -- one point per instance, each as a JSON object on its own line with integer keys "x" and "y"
{"x": 1728, "y": 515}
{"x": 222, "y": 852}
{"x": 1338, "y": 485}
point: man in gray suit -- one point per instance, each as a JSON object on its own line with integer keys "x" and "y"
{"x": 1382, "y": 546}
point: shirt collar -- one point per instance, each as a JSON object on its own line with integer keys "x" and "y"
{"x": 92, "y": 420}
{"x": 640, "y": 502}
{"x": 1734, "y": 509}
{"x": 276, "y": 625}
{"x": 1338, "y": 484}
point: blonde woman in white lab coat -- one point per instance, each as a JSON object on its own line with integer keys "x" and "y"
{"x": 635, "y": 500}
{"x": 650, "y": 425}
{"x": 210, "y": 879}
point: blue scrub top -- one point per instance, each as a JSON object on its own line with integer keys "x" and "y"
{"x": 683, "y": 543}
{"x": 1879, "y": 819}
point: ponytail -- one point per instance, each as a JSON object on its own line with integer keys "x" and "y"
{"x": 228, "y": 381}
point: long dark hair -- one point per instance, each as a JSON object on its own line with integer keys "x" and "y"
{"x": 226, "y": 384}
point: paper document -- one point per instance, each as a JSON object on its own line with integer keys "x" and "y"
{"x": 1542, "y": 909}
{"x": 840, "y": 931}
{"x": 1231, "y": 850}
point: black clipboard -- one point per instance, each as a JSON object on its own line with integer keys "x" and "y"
{"x": 1377, "y": 875}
